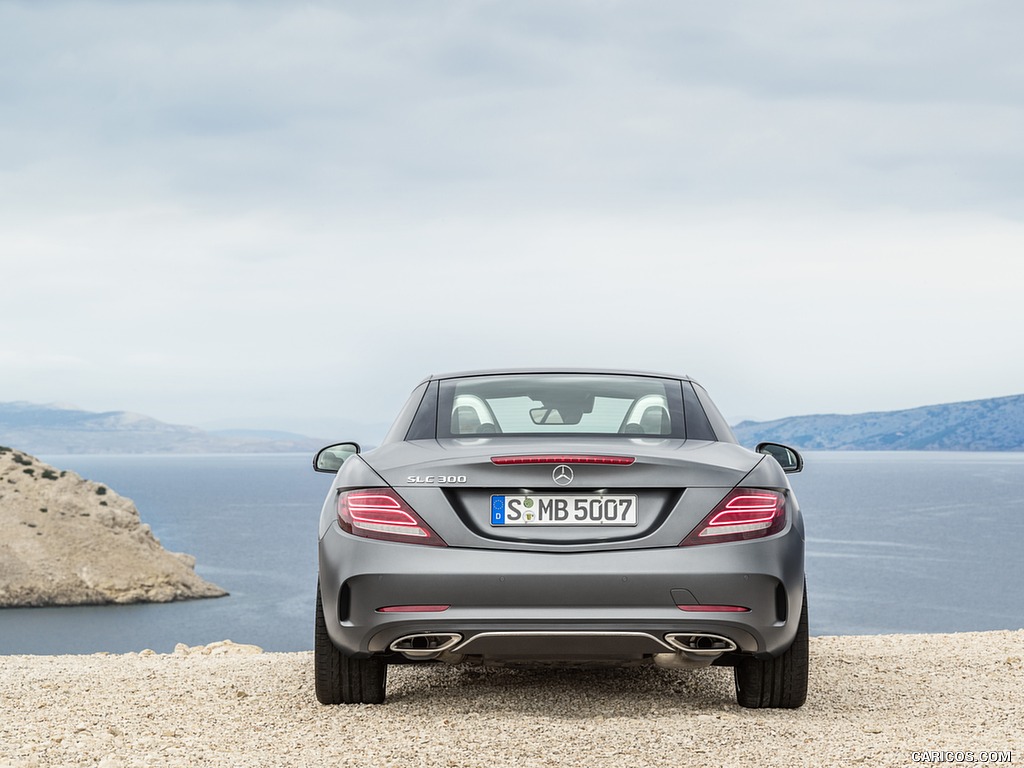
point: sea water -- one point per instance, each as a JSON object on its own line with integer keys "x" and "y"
{"x": 913, "y": 541}
{"x": 896, "y": 542}
{"x": 251, "y": 523}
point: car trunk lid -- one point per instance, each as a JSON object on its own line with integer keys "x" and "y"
{"x": 494, "y": 492}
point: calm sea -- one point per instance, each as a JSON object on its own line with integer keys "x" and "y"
{"x": 897, "y": 542}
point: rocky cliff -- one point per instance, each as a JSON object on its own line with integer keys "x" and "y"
{"x": 69, "y": 541}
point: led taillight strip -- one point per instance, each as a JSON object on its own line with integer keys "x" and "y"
{"x": 379, "y": 513}
{"x": 745, "y": 513}
{"x": 621, "y": 461}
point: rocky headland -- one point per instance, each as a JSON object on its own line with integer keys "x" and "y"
{"x": 65, "y": 540}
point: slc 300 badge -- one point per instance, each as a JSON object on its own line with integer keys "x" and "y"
{"x": 435, "y": 479}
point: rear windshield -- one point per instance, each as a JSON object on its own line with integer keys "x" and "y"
{"x": 560, "y": 405}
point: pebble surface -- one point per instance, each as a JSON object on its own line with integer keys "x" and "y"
{"x": 877, "y": 700}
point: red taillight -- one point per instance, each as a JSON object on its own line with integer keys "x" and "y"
{"x": 746, "y": 513}
{"x": 621, "y": 461}
{"x": 380, "y": 513}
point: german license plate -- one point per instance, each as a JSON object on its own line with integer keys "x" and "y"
{"x": 578, "y": 509}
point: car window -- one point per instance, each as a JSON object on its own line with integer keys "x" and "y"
{"x": 560, "y": 404}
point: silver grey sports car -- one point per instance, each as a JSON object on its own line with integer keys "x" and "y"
{"x": 553, "y": 516}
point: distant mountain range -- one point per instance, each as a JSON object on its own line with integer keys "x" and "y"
{"x": 996, "y": 424}
{"x": 59, "y": 429}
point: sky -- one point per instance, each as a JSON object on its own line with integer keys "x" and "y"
{"x": 284, "y": 215}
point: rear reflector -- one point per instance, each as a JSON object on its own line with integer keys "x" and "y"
{"x": 622, "y": 461}
{"x": 413, "y": 608}
{"x": 713, "y": 608}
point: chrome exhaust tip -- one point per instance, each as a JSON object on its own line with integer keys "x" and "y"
{"x": 425, "y": 645}
{"x": 700, "y": 643}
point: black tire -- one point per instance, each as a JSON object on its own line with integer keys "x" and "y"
{"x": 339, "y": 678}
{"x": 779, "y": 682}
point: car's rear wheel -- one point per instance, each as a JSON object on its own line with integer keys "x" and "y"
{"x": 339, "y": 678}
{"x": 780, "y": 681}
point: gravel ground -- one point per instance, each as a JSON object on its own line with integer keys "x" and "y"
{"x": 874, "y": 700}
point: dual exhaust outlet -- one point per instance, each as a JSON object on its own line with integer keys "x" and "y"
{"x": 700, "y": 643}
{"x": 681, "y": 648}
{"x": 426, "y": 645}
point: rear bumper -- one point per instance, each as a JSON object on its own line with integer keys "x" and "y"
{"x": 561, "y": 596}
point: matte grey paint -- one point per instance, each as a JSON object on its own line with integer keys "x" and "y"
{"x": 561, "y": 579}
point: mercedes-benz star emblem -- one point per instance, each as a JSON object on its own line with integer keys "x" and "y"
{"x": 562, "y": 474}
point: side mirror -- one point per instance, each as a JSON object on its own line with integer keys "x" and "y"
{"x": 788, "y": 458}
{"x": 331, "y": 458}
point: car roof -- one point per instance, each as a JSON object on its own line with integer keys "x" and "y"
{"x": 573, "y": 371}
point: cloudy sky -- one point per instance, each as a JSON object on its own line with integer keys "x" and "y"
{"x": 285, "y": 214}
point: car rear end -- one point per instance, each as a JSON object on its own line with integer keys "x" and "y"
{"x": 599, "y": 530}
